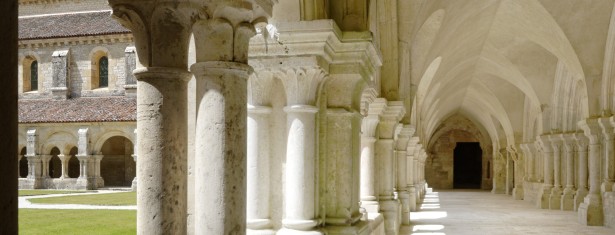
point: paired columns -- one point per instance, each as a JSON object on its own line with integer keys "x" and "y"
{"x": 369, "y": 173}
{"x": 162, "y": 32}
{"x": 590, "y": 210}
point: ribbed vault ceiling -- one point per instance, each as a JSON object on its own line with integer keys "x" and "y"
{"x": 494, "y": 60}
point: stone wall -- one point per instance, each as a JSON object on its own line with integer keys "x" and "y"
{"x": 80, "y": 70}
{"x": 439, "y": 164}
{"x": 38, "y": 7}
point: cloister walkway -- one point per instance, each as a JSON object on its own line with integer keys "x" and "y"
{"x": 453, "y": 212}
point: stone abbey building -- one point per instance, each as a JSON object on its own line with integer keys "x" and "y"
{"x": 312, "y": 116}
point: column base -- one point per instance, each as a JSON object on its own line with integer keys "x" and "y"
{"x": 606, "y": 186}
{"x": 543, "y": 197}
{"x": 590, "y": 211}
{"x": 360, "y": 228}
{"x": 404, "y": 198}
{"x": 296, "y": 226}
{"x": 567, "y": 203}
{"x": 412, "y": 199}
{"x": 371, "y": 206}
{"x": 260, "y": 232}
{"x": 391, "y": 210}
{"x": 287, "y": 231}
{"x": 579, "y": 197}
{"x": 517, "y": 193}
{"x": 555, "y": 199}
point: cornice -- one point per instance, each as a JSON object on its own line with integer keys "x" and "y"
{"x": 71, "y": 41}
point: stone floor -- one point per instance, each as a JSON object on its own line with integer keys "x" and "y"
{"x": 480, "y": 212}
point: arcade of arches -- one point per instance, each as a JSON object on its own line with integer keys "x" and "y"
{"x": 336, "y": 117}
{"x": 76, "y": 156}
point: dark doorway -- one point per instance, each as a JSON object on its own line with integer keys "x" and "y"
{"x": 467, "y": 165}
{"x": 117, "y": 167}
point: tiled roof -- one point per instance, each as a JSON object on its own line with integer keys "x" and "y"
{"x": 99, "y": 109}
{"x": 69, "y": 25}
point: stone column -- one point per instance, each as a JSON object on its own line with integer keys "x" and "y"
{"x": 369, "y": 174}
{"x": 403, "y": 192}
{"x": 555, "y": 198}
{"x": 547, "y": 153}
{"x": 519, "y": 172}
{"x": 98, "y": 181}
{"x": 84, "y": 181}
{"x": 341, "y": 187}
{"x": 582, "y": 190}
{"x": 161, "y": 32}
{"x": 221, "y": 38}
{"x": 411, "y": 172}
{"x": 45, "y": 165}
{"x": 415, "y": 172}
{"x": 134, "y": 157}
{"x": 258, "y": 212}
{"x": 590, "y": 211}
{"x": 510, "y": 168}
{"x": 388, "y": 129}
{"x": 64, "y": 160}
{"x": 608, "y": 161}
{"x": 567, "y": 202}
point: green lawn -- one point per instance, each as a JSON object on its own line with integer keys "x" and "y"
{"x": 35, "y": 192}
{"x": 43, "y": 221}
{"x": 111, "y": 199}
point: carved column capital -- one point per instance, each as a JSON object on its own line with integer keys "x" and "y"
{"x": 259, "y": 87}
{"x": 161, "y": 29}
{"x": 301, "y": 83}
{"x": 568, "y": 142}
{"x": 592, "y": 130}
{"x": 390, "y": 118}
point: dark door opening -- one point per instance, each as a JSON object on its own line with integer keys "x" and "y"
{"x": 468, "y": 162}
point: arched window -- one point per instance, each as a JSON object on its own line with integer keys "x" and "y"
{"x": 34, "y": 76}
{"x": 103, "y": 72}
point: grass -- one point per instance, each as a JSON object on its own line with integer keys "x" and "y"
{"x": 43, "y": 221}
{"x": 35, "y": 192}
{"x": 108, "y": 199}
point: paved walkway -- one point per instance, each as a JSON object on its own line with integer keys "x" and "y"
{"x": 480, "y": 212}
{"x": 24, "y": 203}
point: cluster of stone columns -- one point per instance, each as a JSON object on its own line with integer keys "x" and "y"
{"x": 392, "y": 163}
{"x": 564, "y": 163}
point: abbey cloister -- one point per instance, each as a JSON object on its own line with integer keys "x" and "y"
{"x": 309, "y": 116}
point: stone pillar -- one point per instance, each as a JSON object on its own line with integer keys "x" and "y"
{"x": 403, "y": 192}
{"x": 84, "y": 181}
{"x": 510, "y": 168}
{"x": 369, "y": 173}
{"x": 608, "y": 161}
{"x": 258, "y": 156}
{"x": 388, "y": 130}
{"x": 221, "y": 38}
{"x": 411, "y": 172}
{"x": 500, "y": 171}
{"x": 161, "y": 32}
{"x": 415, "y": 172}
{"x": 8, "y": 119}
{"x": 97, "y": 179}
{"x": 64, "y": 160}
{"x": 258, "y": 212}
{"x": 555, "y": 199}
{"x": 590, "y": 211}
{"x": 134, "y": 157}
{"x": 567, "y": 201}
{"x": 45, "y": 165}
{"x": 341, "y": 187}
{"x": 547, "y": 153}
{"x": 582, "y": 190}
{"x": 519, "y": 173}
